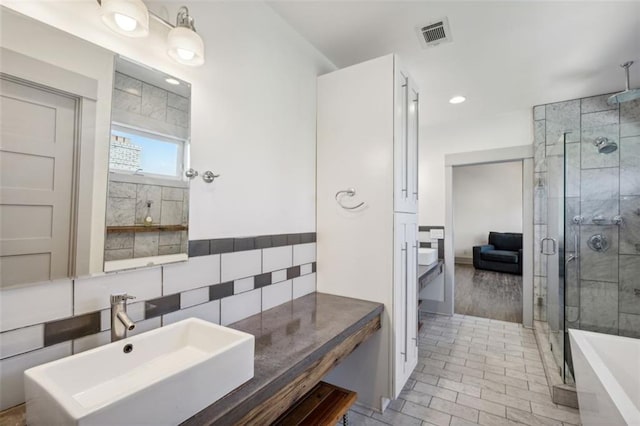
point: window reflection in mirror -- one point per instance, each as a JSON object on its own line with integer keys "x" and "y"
{"x": 148, "y": 194}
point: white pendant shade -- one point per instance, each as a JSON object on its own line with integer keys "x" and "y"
{"x": 126, "y": 17}
{"x": 185, "y": 46}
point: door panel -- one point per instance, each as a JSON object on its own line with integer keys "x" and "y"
{"x": 37, "y": 131}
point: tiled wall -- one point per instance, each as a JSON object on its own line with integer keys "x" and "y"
{"x": 424, "y": 235}
{"x": 127, "y": 206}
{"x": 142, "y": 105}
{"x": 604, "y": 299}
{"x": 232, "y": 279}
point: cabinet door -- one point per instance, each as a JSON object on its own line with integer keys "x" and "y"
{"x": 405, "y": 320}
{"x": 412, "y": 146}
{"x": 405, "y": 144}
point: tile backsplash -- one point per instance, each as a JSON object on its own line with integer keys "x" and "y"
{"x": 231, "y": 279}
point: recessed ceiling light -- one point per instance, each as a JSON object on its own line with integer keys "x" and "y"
{"x": 457, "y": 100}
{"x": 172, "y": 81}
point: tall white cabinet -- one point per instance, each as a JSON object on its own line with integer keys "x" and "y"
{"x": 367, "y": 140}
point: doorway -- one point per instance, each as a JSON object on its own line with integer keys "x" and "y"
{"x": 524, "y": 155}
{"x": 487, "y": 218}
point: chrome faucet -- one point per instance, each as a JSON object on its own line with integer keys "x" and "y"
{"x": 120, "y": 321}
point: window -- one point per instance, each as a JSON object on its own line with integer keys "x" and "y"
{"x": 138, "y": 152}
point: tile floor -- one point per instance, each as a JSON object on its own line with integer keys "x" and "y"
{"x": 473, "y": 370}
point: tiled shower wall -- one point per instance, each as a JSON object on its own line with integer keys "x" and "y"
{"x": 144, "y": 106}
{"x": 127, "y": 206}
{"x": 604, "y": 298}
{"x": 224, "y": 281}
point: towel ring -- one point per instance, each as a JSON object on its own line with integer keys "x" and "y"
{"x": 350, "y": 192}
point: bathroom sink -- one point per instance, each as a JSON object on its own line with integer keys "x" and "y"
{"x": 426, "y": 256}
{"x": 163, "y": 376}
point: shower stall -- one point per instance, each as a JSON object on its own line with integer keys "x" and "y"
{"x": 587, "y": 220}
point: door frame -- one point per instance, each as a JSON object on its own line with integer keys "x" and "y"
{"x": 43, "y": 75}
{"x": 523, "y": 153}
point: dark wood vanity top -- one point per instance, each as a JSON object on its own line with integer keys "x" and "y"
{"x": 297, "y": 343}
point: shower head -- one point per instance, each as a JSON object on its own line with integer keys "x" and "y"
{"x": 605, "y": 145}
{"x": 628, "y": 94}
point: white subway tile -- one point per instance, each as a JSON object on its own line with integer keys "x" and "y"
{"x": 277, "y": 276}
{"x": 304, "y": 285}
{"x": 240, "y": 306}
{"x": 92, "y": 341}
{"x": 277, "y": 258}
{"x": 145, "y": 325}
{"x": 245, "y": 284}
{"x": 207, "y": 311}
{"x": 276, "y": 294}
{"x": 92, "y": 294}
{"x": 241, "y": 264}
{"x": 197, "y": 272}
{"x": 304, "y": 253}
{"x": 35, "y": 303}
{"x": 194, "y": 297}
{"x": 21, "y": 340}
{"x": 305, "y": 269}
{"x": 105, "y": 319}
{"x": 12, "y": 371}
{"x": 134, "y": 310}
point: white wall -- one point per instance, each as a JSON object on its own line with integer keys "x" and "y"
{"x": 500, "y": 131}
{"x": 253, "y": 109}
{"x": 486, "y": 197}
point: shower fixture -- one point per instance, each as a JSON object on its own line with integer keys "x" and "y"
{"x": 628, "y": 94}
{"x": 605, "y": 145}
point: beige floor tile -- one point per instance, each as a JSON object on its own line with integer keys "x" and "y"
{"x": 460, "y": 387}
{"x": 454, "y": 409}
{"x": 482, "y": 405}
{"x": 427, "y": 414}
{"x": 506, "y": 399}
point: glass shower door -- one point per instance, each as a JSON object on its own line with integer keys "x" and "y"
{"x": 553, "y": 248}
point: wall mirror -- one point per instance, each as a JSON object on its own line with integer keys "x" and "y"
{"x": 148, "y": 194}
{"x": 93, "y": 149}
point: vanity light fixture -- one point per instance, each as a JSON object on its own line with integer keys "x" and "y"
{"x": 131, "y": 18}
{"x": 172, "y": 81}
{"x": 126, "y": 17}
{"x": 185, "y": 45}
{"x": 457, "y": 100}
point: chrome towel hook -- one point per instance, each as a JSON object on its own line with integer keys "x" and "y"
{"x": 350, "y": 192}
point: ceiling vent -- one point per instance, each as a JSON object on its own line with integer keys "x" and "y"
{"x": 434, "y": 33}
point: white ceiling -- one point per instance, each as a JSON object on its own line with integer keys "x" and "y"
{"x": 505, "y": 56}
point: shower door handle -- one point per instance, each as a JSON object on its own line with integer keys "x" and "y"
{"x": 554, "y": 246}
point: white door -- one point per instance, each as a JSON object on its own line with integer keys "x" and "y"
{"x": 37, "y": 131}
{"x": 405, "y": 302}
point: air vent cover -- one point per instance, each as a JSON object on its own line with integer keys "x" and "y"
{"x": 434, "y": 33}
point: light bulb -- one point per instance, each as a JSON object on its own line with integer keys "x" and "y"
{"x": 187, "y": 55}
{"x": 172, "y": 81}
{"x": 126, "y": 23}
{"x": 457, "y": 100}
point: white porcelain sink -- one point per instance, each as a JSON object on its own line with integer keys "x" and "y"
{"x": 426, "y": 256}
{"x": 170, "y": 374}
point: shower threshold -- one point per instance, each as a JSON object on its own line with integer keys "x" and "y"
{"x": 561, "y": 393}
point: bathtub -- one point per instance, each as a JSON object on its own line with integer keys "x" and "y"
{"x": 607, "y": 373}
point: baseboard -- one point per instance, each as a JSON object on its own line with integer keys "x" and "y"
{"x": 464, "y": 260}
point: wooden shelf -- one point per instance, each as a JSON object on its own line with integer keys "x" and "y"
{"x": 142, "y": 228}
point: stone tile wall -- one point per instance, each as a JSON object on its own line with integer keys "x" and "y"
{"x": 601, "y": 287}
